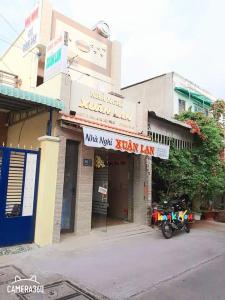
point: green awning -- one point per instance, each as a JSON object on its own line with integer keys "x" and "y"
{"x": 196, "y": 96}
{"x": 16, "y": 99}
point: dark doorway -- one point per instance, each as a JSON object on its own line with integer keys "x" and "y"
{"x": 118, "y": 179}
{"x": 114, "y": 173}
{"x": 69, "y": 188}
{"x": 100, "y": 198}
{"x": 157, "y": 183}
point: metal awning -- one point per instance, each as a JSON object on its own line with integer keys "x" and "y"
{"x": 14, "y": 99}
{"x": 82, "y": 121}
{"x": 99, "y": 135}
{"x": 171, "y": 121}
{"x": 194, "y": 95}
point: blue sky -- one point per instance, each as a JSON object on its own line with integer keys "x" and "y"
{"x": 157, "y": 36}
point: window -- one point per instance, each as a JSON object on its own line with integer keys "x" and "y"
{"x": 40, "y": 68}
{"x": 181, "y": 106}
{"x": 195, "y": 108}
{"x": 167, "y": 140}
{"x": 206, "y": 112}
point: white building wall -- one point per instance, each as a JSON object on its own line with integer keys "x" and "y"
{"x": 23, "y": 66}
{"x": 154, "y": 94}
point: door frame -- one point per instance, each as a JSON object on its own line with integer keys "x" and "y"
{"x": 73, "y": 203}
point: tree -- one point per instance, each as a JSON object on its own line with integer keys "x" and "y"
{"x": 198, "y": 172}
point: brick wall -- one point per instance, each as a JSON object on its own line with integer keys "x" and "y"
{"x": 84, "y": 191}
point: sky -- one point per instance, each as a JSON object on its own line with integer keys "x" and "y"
{"x": 157, "y": 36}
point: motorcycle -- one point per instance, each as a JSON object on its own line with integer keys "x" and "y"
{"x": 172, "y": 216}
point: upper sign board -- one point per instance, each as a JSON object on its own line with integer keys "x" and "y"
{"x": 56, "y": 58}
{"x": 32, "y": 29}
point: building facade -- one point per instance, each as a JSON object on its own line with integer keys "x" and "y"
{"x": 96, "y": 159}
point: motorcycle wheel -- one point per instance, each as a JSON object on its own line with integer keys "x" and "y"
{"x": 167, "y": 230}
{"x": 187, "y": 227}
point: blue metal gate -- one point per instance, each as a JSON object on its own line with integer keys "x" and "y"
{"x": 18, "y": 195}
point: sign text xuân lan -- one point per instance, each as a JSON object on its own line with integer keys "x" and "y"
{"x": 111, "y": 140}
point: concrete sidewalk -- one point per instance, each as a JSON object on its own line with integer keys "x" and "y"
{"x": 125, "y": 262}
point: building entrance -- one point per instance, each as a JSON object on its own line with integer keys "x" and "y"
{"x": 112, "y": 188}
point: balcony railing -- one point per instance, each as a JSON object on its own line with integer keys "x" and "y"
{"x": 9, "y": 79}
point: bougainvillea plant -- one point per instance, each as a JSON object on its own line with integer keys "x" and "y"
{"x": 198, "y": 172}
{"x": 195, "y": 129}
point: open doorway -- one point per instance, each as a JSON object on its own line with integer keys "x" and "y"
{"x": 112, "y": 188}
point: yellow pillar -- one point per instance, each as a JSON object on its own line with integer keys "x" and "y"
{"x": 47, "y": 190}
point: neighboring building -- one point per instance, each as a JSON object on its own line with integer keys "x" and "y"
{"x": 159, "y": 100}
{"x": 170, "y": 94}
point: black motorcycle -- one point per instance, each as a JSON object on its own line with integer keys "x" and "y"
{"x": 172, "y": 216}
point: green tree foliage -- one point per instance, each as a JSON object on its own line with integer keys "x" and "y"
{"x": 218, "y": 109}
{"x": 198, "y": 172}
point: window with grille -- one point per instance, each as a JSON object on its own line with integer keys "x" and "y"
{"x": 163, "y": 139}
{"x": 181, "y": 106}
{"x": 15, "y": 184}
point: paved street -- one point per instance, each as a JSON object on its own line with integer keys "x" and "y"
{"x": 134, "y": 262}
{"x": 204, "y": 282}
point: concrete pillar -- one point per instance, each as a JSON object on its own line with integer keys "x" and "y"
{"x": 46, "y": 190}
{"x": 59, "y": 190}
{"x": 141, "y": 196}
{"x": 148, "y": 187}
{"x": 148, "y": 180}
{"x": 83, "y": 211}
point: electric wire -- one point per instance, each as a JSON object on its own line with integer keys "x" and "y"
{"x": 13, "y": 28}
{"x": 8, "y": 23}
{"x": 10, "y": 43}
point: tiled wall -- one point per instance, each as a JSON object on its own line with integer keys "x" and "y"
{"x": 84, "y": 185}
